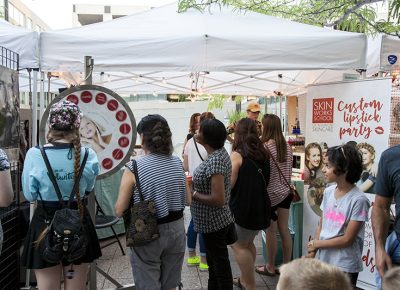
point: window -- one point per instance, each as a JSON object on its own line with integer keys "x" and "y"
{"x": 29, "y": 23}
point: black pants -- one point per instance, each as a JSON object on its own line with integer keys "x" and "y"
{"x": 220, "y": 273}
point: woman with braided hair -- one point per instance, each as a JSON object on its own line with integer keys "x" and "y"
{"x": 65, "y": 156}
{"x": 158, "y": 264}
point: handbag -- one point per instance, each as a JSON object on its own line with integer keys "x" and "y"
{"x": 140, "y": 219}
{"x": 292, "y": 189}
{"x": 65, "y": 237}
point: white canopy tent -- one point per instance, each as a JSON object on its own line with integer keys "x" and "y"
{"x": 218, "y": 51}
{"x": 22, "y": 41}
{"x": 379, "y": 50}
{"x": 217, "y": 40}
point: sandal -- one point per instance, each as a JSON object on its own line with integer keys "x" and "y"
{"x": 265, "y": 271}
{"x": 236, "y": 282}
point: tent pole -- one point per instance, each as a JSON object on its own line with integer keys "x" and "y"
{"x": 34, "y": 109}
{"x": 34, "y": 143}
{"x": 41, "y": 98}
{"x": 88, "y": 61}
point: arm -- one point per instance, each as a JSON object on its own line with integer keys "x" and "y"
{"x": 185, "y": 162}
{"x": 311, "y": 252}
{"x": 236, "y": 160}
{"x": 184, "y": 147}
{"x": 380, "y": 227}
{"x": 366, "y": 185}
{"x": 217, "y": 196}
{"x": 6, "y": 190}
{"x": 125, "y": 192}
{"x": 344, "y": 241}
{"x": 188, "y": 193}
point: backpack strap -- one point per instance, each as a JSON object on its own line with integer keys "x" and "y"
{"x": 51, "y": 176}
{"x": 53, "y": 179}
{"x": 77, "y": 180}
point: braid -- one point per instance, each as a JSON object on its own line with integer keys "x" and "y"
{"x": 77, "y": 166}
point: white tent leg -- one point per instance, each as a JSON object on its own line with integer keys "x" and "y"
{"x": 41, "y": 98}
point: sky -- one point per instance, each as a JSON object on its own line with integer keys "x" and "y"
{"x": 58, "y": 13}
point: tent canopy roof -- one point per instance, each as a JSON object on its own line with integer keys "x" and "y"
{"x": 22, "y": 41}
{"x": 218, "y": 40}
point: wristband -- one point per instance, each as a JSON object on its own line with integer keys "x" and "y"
{"x": 194, "y": 194}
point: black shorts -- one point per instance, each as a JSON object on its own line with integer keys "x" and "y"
{"x": 283, "y": 204}
{"x": 31, "y": 256}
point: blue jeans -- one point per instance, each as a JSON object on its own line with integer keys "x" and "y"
{"x": 192, "y": 239}
{"x": 392, "y": 247}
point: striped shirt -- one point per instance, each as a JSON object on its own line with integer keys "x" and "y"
{"x": 277, "y": 188}
{"x": 162, "y": 179}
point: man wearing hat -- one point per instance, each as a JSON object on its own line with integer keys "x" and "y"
{"x": 253, "y": 111}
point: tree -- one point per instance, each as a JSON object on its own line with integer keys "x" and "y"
{"x": 347, "y": 15}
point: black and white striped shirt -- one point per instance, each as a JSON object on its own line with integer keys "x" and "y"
{"x": 162, "y": 179}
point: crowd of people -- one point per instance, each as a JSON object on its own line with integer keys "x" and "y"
{"x": 231, "y": 197}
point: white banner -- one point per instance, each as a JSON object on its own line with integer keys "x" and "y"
{"x": 357, "y": 112}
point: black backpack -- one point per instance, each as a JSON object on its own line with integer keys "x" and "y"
{"x": 65, "y": 239}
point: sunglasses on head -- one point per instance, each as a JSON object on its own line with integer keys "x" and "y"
{"x": 340, "y": 148}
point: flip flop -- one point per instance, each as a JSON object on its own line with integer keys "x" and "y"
{"x": 264, "y": 271}
{"x": 236, "y": 282}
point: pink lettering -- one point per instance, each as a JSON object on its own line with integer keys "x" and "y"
{"x": 369, "y": 262}
{"x": 335, "y": 217}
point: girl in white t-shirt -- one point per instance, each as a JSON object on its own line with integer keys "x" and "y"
{"x": 340, "y": 233}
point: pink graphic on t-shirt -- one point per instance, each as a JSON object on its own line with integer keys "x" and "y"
{"x": 336, "y": 217}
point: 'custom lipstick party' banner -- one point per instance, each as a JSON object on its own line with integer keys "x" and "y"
{"x": 356, "y": 112}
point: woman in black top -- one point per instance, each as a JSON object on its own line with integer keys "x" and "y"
{"x": 249, "y": 201}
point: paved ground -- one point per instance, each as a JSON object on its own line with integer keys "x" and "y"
{"x": 118, "y": 267}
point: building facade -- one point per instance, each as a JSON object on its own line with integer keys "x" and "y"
{"x": 17, "y": 13}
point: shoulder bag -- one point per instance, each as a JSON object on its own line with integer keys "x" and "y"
{"x": 140, "y": 218}
{"x": 65, "y": 237}
{"x": 293, "y": 191}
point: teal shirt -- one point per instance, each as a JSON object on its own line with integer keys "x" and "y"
{"x": 61, "y": 158}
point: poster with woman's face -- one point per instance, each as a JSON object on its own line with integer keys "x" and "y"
{"x": 314, "y": 176}
{"x": 107, "y": 125}
{"x": 9, "y": 108}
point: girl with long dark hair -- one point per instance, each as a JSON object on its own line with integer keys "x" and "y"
{"x": 278, "y": 191}
{"x": 249, "y": 201}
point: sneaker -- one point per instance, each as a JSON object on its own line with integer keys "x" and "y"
{"x": 193, "y": 261}
{"x": 203, "y": 267}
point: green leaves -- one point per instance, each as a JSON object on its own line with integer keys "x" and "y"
{"x": 355, "y": 15}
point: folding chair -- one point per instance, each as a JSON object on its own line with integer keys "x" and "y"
{"x": 104, "y": 221}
